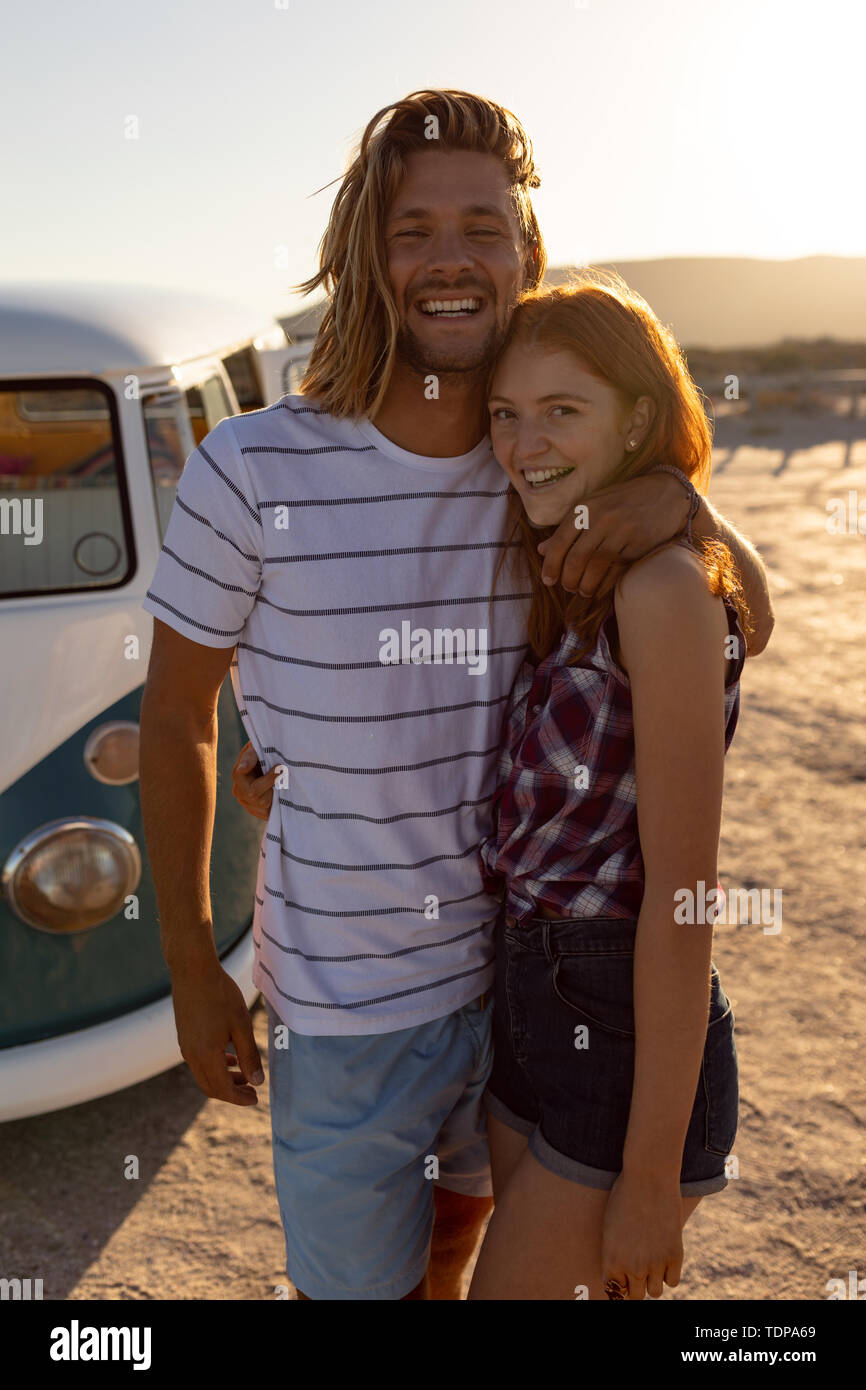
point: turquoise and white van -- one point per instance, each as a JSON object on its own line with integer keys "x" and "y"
{"x": 104, "y": 393}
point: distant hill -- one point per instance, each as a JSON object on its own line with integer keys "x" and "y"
{"x": 728, "y": 302}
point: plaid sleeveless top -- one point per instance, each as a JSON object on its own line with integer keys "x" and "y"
{"x": 565, "y": 809}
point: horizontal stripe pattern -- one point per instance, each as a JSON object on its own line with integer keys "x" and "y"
{"x": 389, "y": 497}
{"x": 395, "y": 607}
{"x": 371, "y": 661}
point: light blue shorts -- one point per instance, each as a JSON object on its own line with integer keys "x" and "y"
{"x": 363, "y": 1128}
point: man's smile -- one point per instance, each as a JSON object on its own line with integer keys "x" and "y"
{"x": 450, "y": 307}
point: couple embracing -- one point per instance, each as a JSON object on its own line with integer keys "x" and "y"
{"x": 465, "y": 907}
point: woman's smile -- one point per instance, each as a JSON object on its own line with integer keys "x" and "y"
{"x": 541, "y": 478}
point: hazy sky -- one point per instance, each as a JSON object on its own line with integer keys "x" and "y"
{"x": 680, "y": 127}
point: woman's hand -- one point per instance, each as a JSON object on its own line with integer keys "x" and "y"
{"x": 642, "y": 1237}
{"x": 254, "y": 791}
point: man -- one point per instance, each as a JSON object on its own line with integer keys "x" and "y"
{"x": 351, "y": 564}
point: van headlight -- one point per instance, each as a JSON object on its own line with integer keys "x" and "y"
{"x": 111, "y": 752}
{"x": 71, "y": 874}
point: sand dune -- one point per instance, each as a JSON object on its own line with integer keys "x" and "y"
{"x": 724, "y": 301}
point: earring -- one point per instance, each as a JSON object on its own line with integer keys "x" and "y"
{"x": 632, "y": 443}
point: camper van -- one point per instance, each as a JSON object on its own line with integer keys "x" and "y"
{"x": 105, "y": 391}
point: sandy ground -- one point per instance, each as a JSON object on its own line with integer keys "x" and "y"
{"x": 202, "y": 1222}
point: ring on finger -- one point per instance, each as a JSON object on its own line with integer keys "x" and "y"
{"x": 615, "y": 1290}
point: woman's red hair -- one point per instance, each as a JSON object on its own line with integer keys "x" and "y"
{"x": 615, "y": 335}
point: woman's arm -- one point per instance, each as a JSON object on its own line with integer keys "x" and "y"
{"x": 672, "y": 639}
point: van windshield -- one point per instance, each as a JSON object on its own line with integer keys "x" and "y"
{"x": 63, "y": 505}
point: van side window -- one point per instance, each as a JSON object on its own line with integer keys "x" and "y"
{"x": 244, "y": 379}
{"x": 175, "y": 423}
{"x": 61, "y": 500}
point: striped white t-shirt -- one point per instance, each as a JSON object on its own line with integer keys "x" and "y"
{"x": 354, "y": 577}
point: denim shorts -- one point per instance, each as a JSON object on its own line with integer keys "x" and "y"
{"x": 364, "y": 1128}
{"x": 563, "y": 1060}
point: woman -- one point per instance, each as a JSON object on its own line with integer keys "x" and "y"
{"x": 613, "y": 1099}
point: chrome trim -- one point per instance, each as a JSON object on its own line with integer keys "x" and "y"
{"x": 98, "y": 733}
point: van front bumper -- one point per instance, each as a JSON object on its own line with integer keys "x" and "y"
{"x": 80, "y": 1066}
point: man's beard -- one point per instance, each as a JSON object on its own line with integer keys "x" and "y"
{"x": 474, "y": 360}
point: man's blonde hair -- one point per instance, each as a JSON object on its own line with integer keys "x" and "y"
{"x": 353, "y": 355}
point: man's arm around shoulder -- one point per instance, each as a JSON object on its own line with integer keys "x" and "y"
{"x": 711, "y": 525}
{"x": 627, "y": 521}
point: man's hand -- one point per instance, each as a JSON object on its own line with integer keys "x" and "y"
{"x": 215, "y": 1033}
{"x": 626, "y": 522}
{"x": 254, "y": 791}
